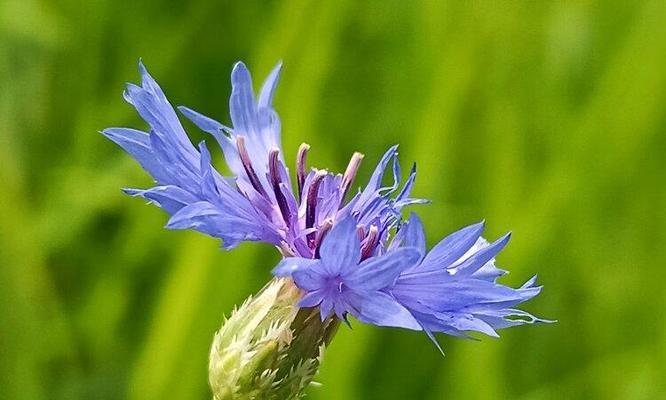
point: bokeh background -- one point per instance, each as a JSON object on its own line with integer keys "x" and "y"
{"x": 544, "y": 118}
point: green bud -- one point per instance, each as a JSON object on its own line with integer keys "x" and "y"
{"x": 269, "y": 349}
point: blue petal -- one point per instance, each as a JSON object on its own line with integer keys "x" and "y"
{"x": 451, "y": 248}
{"x": 377, "y": 273}
{"x": 310, "y": 278}
{"x": 181, "y": 169}
{"x": 137, "y": 144}
{"x": 268, "y": 88}
{"x": 169, "y": 198}
{"x": 151, "y": 103}
{"x": 209, "y": 219}
{"x": 530, "y": 283}
{"x": 218, "y": 130}
{"x": 208, "y": 184}
{"x": 415, "y": 235}
{"x": 396, "y": 178}
{"x": 341, "y": 248}
{"x": 261, "y": 126}
{"x": 326, "y": 307}
{"x": 488, "y": 271}
{"x": 341, "y": 312}
{"x": 381, "y": 309}
{"x": 312, "y": 299}
{"x": 431, "y": 323}
{"x": 193, "y": 216}
{"x": 466, "y": 322}
{"x": 242, "y": 104}
{"x": 477, "y": 260}
{"x": 458, "y": 295}
{"x": 505, "y": 318}
{"x": 149, "y": 83}
{"x": 411, "y": 234}
{"x": 204, "y": 123}
{"x": 407, "y": 188}
{"x": 375, "y": 181}
{"x": 289, "y": 265}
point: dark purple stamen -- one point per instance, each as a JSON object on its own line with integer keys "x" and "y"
{"x": 321, "y": 233}
{"x": 368, "y": 246}
{"x": 300, "y": 167}
{"x": 276, "y": 180}
{"x": 360, "y": 232}
{"x": 350, "y": 174}
{"x": 247, "y": 165}
{"x": 311, "y": 200}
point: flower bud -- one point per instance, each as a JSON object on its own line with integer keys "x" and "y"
{"x": 269, "y": 348}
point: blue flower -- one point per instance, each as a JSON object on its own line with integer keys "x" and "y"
{"x": 355, "y": 257}
{"x": 341, "y": 282}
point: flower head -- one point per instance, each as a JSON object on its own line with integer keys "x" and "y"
{"x": 355, "y": 257}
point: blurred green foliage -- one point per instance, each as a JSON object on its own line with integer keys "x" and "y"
{"x": 546, "y": 118}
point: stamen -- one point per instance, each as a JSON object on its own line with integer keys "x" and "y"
{"x": 311, "y": 199}
{"x": 321, "y": 233}
{"x": 360, "y": 232}
{"x": 300, "y": 167}
{"x": 247, "y": 165}
{"x": 276, "y": 180}
{"x": 370, "y": 242}
{"x": 350, "y": 173}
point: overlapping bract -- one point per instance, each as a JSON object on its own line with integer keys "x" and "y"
{"x": 357, "y": 257}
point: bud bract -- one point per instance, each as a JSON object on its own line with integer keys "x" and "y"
{"x": 269, "y": 348}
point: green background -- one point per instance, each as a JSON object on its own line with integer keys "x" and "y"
{"x": 544, "y": 118}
